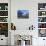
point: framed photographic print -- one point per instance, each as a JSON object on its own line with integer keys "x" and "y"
{"x": 23, "y": 14}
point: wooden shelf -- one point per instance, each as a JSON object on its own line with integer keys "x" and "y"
{"x": 3, "y": 16}
{"x": 41, "y": 10}
{"x": 41, "y": 28}
{"x": 3, "y": 10}
{"x": 41, "y": 22}
{"x": 42, "y": 16}
{"x": 3, "y": 22}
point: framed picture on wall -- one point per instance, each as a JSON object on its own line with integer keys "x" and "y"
{"x": 23, "y": 14}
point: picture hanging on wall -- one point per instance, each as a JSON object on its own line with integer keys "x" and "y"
{"x": 23, "y": 14}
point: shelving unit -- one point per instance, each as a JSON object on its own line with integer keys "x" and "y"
{"x": 4, "y": 19}
{"x": 42, "y": 19}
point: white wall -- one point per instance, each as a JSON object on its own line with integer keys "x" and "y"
{"x": 23, "y": 24}
{"x": 32, "y": 6}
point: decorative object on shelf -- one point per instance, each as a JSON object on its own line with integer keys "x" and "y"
{"x": 6, "y": 7}
{"x": 3, "y": 19}
{"x": 0, "y": 7}
{"x": 42, "y": 32}
{"x": 3, "y": 13}
{"x": 13, "y": 27}
{"x": 31, "y": 27}
{"x": 4, "y": 29}
{"x": 23, "y": 13}
{"x": 40, "y": 25}
{"x": 4, "y": 26}
{"x": 41, "y": 19}
{"x": 43, "y": 13}
{"x": 3, "y": 6}
{"x": 41, "y": 6}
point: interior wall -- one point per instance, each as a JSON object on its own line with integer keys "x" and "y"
{"x": 32, "y": 6}
{"x": 23, "y": 24}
